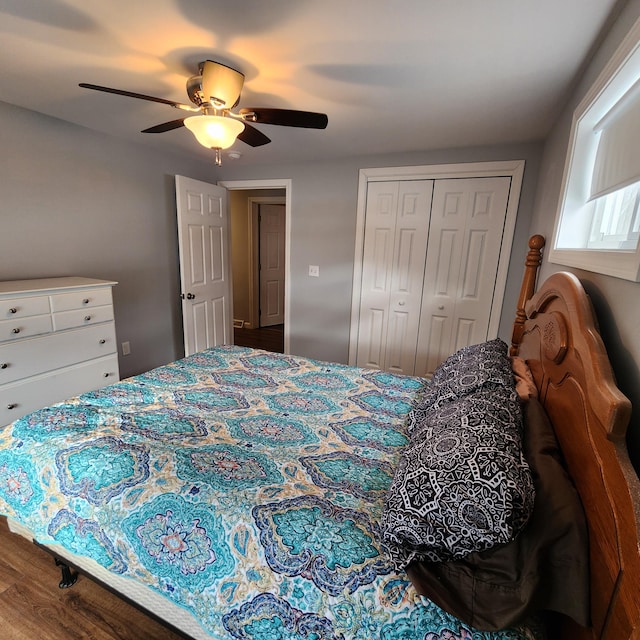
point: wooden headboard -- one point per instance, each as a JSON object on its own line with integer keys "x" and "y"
{"x": 556, "y": 333}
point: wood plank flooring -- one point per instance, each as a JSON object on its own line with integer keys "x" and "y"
{"x": 267, "y": 338}
{"x": 33, "y": 607}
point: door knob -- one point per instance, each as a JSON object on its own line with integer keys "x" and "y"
{"x": 189, "y": 296}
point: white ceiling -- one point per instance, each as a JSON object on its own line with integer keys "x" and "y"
{"x": 392, "y": 76}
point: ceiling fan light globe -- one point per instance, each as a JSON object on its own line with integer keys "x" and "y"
{"x": 214, "y": 132}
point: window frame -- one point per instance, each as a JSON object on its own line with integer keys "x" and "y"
{"x": 617, "y": 77}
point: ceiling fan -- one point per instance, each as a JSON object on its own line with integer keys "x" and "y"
{"x": 214, "y": 92}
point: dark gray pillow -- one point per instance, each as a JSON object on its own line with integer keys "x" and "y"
{"x": 462, "y": 484}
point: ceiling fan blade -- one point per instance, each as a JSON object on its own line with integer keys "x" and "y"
{"x": 286, "y": 117}
{"x": 165, "y": 126}
{"x": 140, "y": 96}
{"x": 253, "y": 137}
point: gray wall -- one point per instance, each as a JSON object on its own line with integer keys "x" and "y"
{"x": 616, "y": 301}
{"x": 75, "y": 202}
{"x": 323, "y": 225}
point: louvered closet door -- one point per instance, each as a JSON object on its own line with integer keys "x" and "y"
{"x": 467, "y": 223}
{"x": 395, "y": 241}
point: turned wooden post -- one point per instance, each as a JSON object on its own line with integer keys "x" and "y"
{"x": 531, "y": 266}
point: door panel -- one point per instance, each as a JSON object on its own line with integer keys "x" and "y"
{"x": 397, "y": 223}
{"x": 195, "y": 274}
{"x": 272, "y": 238}
{"x": 217, "y": 254}
{"x": 371, "y": 354}
{"x": 203, "y": 238}
{"x": 467, "y": 225}
{"x": 398, "y": 356}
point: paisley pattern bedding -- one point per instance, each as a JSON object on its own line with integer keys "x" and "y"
{"x": 245, "y": 486}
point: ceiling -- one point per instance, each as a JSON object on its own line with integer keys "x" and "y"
{"x": 391, "y": 76}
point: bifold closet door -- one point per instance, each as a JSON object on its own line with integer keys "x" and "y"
{"x": 395, "y": 248}
{"x": 465, "y": 237}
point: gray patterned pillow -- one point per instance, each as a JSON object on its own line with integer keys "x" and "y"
{"x": 463, "y": 484}
{"x": 484, "y": 365}
{"x": 470, "y": 367}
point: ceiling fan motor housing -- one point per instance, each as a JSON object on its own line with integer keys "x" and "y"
{"x": 216, "y": 85}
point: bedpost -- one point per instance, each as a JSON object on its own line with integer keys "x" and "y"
{"x": 531, "y": 266}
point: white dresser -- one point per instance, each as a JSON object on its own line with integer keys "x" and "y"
{"x": 57, "y": 340}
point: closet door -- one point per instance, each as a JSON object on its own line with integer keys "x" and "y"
{"x": 395, "y": 242}
{"x": 466, "y": 234}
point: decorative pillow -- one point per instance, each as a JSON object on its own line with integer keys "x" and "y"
{"x": 462, "y": 484}
{"x": 545, "y": 568}
{"x": 473, "y": 367}
{"x": 467, "y": 370}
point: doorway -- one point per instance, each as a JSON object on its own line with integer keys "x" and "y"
{"x": 245, "y": 198}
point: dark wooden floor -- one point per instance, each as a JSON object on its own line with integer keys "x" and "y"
{"x": 33, "y": 607}
{"x": 268, "y": 338}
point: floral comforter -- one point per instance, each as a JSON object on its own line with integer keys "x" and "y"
{"x": 245, "y": 486}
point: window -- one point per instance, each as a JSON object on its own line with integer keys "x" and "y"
{"x": 615, "y": 220}
{"x": 598, "y": 221}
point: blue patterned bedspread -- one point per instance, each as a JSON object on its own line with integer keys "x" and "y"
{"x": 245, "y": 486}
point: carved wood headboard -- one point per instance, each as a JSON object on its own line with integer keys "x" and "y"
{"x": 556, "y": 333}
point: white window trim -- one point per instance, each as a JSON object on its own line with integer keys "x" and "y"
{"x": 610, "y": 86}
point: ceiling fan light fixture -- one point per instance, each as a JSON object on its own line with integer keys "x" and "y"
{"x": 214, "y": 132}
{"x": 221, "y": 85}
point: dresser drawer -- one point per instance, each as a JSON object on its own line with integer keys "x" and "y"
{"x": 29, "y": 357}
{"x": 81, "y": 317}
{"x": 23, "y": 307}
{"x": 81, "y": 299}
{"x": 20, "y": 398}
{"x": 24, "y": 327}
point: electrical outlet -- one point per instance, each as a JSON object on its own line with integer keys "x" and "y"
{"x": 314, "y": 270}
{"x": 126, "y": 348}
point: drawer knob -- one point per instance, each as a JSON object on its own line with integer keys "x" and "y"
{"x": 85, "y": 301}
{"x": 102, "y": 341}
{"x": 4, "y": 365}
{"x": 11, "y": 405}
{"x": 87, "y": 318}
{"x": 16, "y": 330}
{"x": 106, "y": 375}
{"x": 13, "y": 310}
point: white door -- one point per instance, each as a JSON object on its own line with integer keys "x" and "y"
{"x": 395, "y": 241}
{"x": 272, "y": 239}
{"x": 465, "y": 238}
{"x": 203, "y": 239}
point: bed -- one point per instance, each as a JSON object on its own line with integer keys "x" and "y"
{"x": 242, "y": 494}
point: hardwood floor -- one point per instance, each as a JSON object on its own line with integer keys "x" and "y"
{"x": 33, "y": 607}
{"x": 268, "y": 338}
